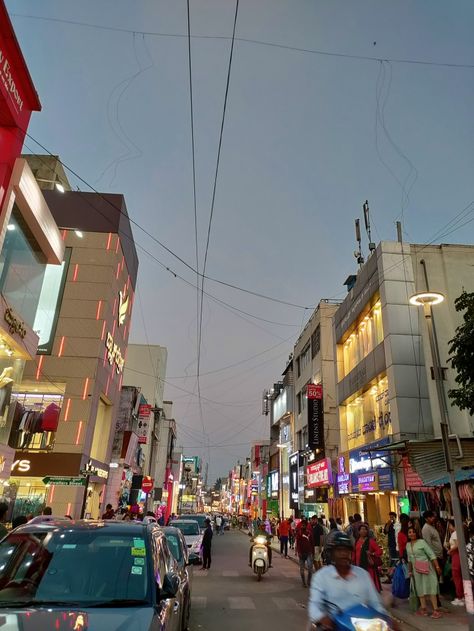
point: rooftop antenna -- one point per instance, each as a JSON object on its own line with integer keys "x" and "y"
{"x": 367, "y": 225}
{"x": 358, "y": 253}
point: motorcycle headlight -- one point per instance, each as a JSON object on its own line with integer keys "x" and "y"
{"x": 261, "y": 540}
{"x": 376, "y": 624}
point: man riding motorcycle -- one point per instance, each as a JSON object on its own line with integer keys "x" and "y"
{"x": 340, "y": 586}
{"x": 262, "y": 533}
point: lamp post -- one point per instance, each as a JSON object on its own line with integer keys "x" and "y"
{"x": 427, "y": 300}
{"x": 280, "y": 481}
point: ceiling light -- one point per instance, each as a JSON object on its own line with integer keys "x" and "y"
{"x": 60, "y": 187}
{"x": 11, "y": 227}
{"x": 78, "y": 233}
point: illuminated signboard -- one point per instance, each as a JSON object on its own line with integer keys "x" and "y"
{"x": 319, "y": 473}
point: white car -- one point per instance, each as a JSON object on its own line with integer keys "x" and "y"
{"x": 192, "y": 534}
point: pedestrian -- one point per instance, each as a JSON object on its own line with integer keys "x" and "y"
{"x": 431, "y": 535}
{"x": 332, "y": 524}
{"x": 353, "y": 530}
{"x": 268, "y": 526}
{"x": 109, "y": 512}
{"x": 424, "y": 571}
{"x": 318, "y": 538}
{"x": 292, "y": 534}
{"x": 368, "y": 554}
{"x": 453, "y": 551}
{"x": 283, "y": 532}
{"x": 218, "y": 524}
{"x": 339, "y": 524}
{"x": 206, "y": 546}
{"x": 305, "y": 549}
{"x": 3, "y": 516}
{"x": 470, "y": 551}
{"x": 47, "y": 510}
{"x": 389, "y": 530}
{"x": 402, "y": 538}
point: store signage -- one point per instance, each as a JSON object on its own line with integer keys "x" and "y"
{"x": 383, "y": 422}
{"x": 368, "y": 482}
{"x": 21, "y": 465}
{"x": 372, "y": 458}
{"x": 144, "y": 413}
{"x": 14, "y": 324}
{"x": 46, "y": 464}
{"x": 122, "y": 308}
{"x": 319, "y": 473}
{"x": 274, "y": 484}
{"x": 294, "y": 462}
{"x": 314, "y": 394}
{"x": 343, "y": 483}
{"x": 114, "y": 354}
{"x": 6, "y": 78}
{"x": 64, "y": 481}
{"x": 147, "y": 484}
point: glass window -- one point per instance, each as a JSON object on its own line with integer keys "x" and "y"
{"x": 22, "y": 268}
{"x": 362, "y": 341}
{"x": 85, "y": 567}
{"x": 174, "y": 545}
{"x": 187, "y": 528}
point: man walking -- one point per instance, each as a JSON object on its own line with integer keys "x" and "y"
{"x": 432, "y": 538}
{"x": 318, "y": 537}
{"x": 206, "y": 546}
{"x": 218, "y": 524}
{"x": 283, "y": 533}
{"x": 390, "y": 531}
{"x": 305, "y": 550}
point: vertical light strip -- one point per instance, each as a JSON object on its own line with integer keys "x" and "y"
{"x": 63, "y": 234}
{"x": 128, "y": 281}
{"x": 51, "y": 494}
{"x": 68, "y": 407}
{"x": 115, "y": 307}
{"x": 117, "y": 246}
{"x": 99, "y": 309}
{"x": 123, "y": 261}
{"x": 120, "y": 382}
{"x": 86, "y": 387}
{"x": 113, "y": 329}
{"x": 38, "y": 371}
{"x": 109, "y": 241}
{"x": 103, "y": 331}
{"x": 61, "y": 346}
{"x": 118, "y": 270}
{"x": 76, "y": 271}
{"x": 107, "y": 386}
{"x": 79, "y": 432}
{"x": 105, "y": 357}
{"x": 68, "y": 512}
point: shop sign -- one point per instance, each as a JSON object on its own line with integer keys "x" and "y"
{"x": 6, "y": 78}
{"x": 147, "y": 484}
{"x": 319, "y": 473}
{"x": 294, "y": 465}
{"x": 368, "y": 482}
{"x": 114, "y": 354}
{"x": 46, "y": 464}
{"x": 14, "y": 324}
{"x": 58, "y": 481}
{"x": 343, "y": 483}
{"x": 316, "y": 496}
{"x": 372, "y": 458}
{"x": 144, "y": 413}
{"x": 314, "y": 394}
{"x": 274, "y": 484}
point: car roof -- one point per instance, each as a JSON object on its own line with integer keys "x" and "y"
{"x": 114, "y": 527}
{"x": 186, "y": 521}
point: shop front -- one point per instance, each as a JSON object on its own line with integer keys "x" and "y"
{"x": 273, "y": 494}
{"x": 316, "y": 490}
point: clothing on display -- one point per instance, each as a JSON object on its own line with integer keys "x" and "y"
{"x": 30, "y": 417}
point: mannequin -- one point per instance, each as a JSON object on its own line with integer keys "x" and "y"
{"x": 6, "y": 382}
{"x": 6, "y": 376}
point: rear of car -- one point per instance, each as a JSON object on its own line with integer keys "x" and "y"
{"x": 199, "y": 517}
{"x": 191, "y": 532}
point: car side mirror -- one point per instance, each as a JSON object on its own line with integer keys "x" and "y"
{"x": 170, "y": 586}
{"x": 194, "y": 559}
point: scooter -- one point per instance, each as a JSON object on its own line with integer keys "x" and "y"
{"x": 359, "y": 618}
{"x": 260, "y": 561}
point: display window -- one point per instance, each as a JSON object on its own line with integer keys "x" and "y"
{"x": 367, "y": 334}
{"x": 26, "y": 496}
{"x": 34, "y": 419}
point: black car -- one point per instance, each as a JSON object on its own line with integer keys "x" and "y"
{"x": 103, "y": 576}
{"x": 184, "y": 559}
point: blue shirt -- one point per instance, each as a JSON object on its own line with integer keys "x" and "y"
{"x": 330, "y": 592}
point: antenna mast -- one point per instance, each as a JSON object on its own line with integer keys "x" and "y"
{"x": 358, "y": 253}
{"x": 367, "y": 225}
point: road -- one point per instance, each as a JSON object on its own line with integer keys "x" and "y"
{"x": 228, "y": 597}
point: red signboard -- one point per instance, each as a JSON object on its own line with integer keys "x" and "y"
{"x": 147, "y": 484}
{"x": 319, "y": 473}
{"x": 314, "y": 391}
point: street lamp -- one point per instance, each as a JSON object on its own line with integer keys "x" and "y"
{"x": 427, "y": 300}
{"x": 280, "y": 482}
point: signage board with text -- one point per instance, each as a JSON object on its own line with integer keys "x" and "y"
{"x": 319, "y": 473}
{"x": 314, "y": 393}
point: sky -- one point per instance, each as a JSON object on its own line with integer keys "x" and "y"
{"x": 308, "y": 137}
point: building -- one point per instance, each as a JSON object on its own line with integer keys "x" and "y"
{"x": 83, "y": 329}
{"x": 30, "y": 243}
{"x": 385, "y": 381}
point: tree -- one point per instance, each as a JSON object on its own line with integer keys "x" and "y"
{"x": 461, "y": 351}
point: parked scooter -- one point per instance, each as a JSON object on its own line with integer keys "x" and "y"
{"x": 259, "y": 559}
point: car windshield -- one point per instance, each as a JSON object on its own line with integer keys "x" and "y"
{"x": 81, "y": 567}
{"x": 187, "y": 527}
{"x": 201, "y": 519}
{"x": 174, "y": 546}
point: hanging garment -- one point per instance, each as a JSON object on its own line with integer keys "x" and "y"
{"x": 50, "y": 418}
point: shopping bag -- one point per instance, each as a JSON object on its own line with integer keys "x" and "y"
{"x": 400, "y": 584}
{"x": 413, "y": 598}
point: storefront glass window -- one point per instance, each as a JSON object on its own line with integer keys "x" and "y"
{"x": 362, "y": 341}
{"x": 34, "y": 419}
{"x": 22, "y": 267}
{"x": 367, "y": 418}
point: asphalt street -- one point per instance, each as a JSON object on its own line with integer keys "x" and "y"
{"x": 229, "y": 598}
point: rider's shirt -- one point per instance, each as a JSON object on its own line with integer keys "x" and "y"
{"x": 330, "y": 592}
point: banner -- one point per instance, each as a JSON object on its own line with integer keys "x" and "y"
{"x": 319, "y": 473}
{"x": 314, "y": 395}
{"x": 294, "y": 462}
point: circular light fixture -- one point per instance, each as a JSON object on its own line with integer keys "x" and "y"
{"x": 426, "y": 298}
{"x": 78, "y": 233}
{"x": 60, "y": 187}
{"x": 11, "y": 227}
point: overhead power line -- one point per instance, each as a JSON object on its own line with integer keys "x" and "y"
{"x": 259, "y": 42}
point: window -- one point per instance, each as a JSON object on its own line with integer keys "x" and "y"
{"x": 298, "y": 402}
{"x": 305, "y": 357}
{"x": 316, "y": 342}
{"x": 366, "y": 336}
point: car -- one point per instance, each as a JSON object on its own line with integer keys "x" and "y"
{"x": 199, "y": 517}
{"x": 192, "y": 533}
{"x": 185, "y": 561}
{"x": 107, "y": 575}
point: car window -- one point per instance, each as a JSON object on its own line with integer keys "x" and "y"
{"x": 174, "y": 544}
{"x": 201, "y": 519}
{"x": 187, "y": 528}
{"x": 80, "y": 566}
{"x": 161, "y": 567}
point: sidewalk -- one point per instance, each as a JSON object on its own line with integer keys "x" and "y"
{"x": 456, "y": 620}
